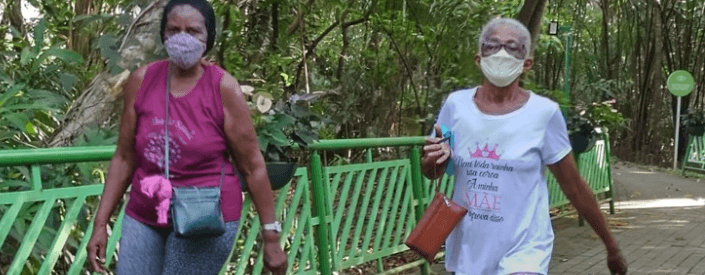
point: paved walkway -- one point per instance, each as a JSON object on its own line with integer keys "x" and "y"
{"x": 659, "y": 224}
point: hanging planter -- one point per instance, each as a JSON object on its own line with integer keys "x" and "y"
{"x": 582, "y": 142}
{"x": 582, "y": 134}
{"x": 694, "y": 122}
{"x": 280, "y": 173}
{"x": 696, "y": 130}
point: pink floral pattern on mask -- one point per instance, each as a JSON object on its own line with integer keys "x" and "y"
{"x": 184, "y": 50}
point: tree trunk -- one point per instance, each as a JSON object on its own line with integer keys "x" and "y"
{"x": 531, "y": 14}
{"x": 651, "y": 65}
{"x": 13, "y": 13}
{"x": 98, "y": 101}
{"x": 605, "y": 37}
{"x": 78, "y": 41}
{"x": 275, "y": 27}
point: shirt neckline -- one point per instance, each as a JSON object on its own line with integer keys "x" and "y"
{"x": 193, "y": 90}
{"x": 521, "y": 109}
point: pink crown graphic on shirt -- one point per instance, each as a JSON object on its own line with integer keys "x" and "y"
{"x": 485, "y": 153}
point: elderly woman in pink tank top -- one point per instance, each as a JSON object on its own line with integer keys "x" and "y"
{"x": 207, "y": 118}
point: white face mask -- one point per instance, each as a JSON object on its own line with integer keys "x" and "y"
{"x": 501, "y": 69}
{"x": 184, "y": 50}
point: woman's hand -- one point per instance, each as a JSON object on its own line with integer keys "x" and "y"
{"x": 616, "y": 263}
{"x": 435, "y": 150}
{"x": 96, "y": 246}
{"x": 436, "y": 154}
{"x": 274, "y": 256}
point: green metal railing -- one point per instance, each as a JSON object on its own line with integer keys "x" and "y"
{"x": 293, "y": 208}
{"x": 369, "y": 208}
{"x": 39, "y": 203}
{"x": 334, "y": 217}
{"x": 695, "y": 154}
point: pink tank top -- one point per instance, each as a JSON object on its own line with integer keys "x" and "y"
{"x": 198, "y": 147}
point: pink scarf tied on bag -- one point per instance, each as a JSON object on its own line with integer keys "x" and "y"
{"x": 159, "y": 187}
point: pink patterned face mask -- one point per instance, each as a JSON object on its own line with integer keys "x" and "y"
{"x": 184, "y": 50}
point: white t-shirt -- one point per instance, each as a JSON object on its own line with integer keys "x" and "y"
{"x": 499, "y": 162}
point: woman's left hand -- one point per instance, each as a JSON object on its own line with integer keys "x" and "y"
{"x": 616, "y": 263}
{"x": 274, "y": 256}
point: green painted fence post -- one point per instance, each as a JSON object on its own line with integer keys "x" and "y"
{"x": 368, "y": 159}
{"x": 688, "y": 150}
{"x": 698, "y": 150}
{"x": 417, "y": 184}
{"x": 36, "y": 178}
{"x": 608, "y": 159}
{"x": 581, "y": 219}
{"x": 320, "y": 204}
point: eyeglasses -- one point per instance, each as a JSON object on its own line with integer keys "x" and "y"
{"x": 514, "y": 49}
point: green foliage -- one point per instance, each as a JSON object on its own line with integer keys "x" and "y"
{"x": 35, "y": 89}
{"x": 604, "y": 115}
{"x": 287, "y": 125}
{"x": 40, "y": 78}
{"x": 391, "y": 73}
{"x": 555, "y": 95}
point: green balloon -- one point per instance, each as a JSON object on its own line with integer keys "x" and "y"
{"x": 680, "y": 83}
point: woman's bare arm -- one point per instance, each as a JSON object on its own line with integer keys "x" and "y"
{"x": 242, "y": 141}
{"x": 577, "y": 191}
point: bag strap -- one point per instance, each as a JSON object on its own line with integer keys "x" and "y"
{"x": 435, "y": 166}
{"x": 166, "y": 123}
{"x": 166, "y": 132}
{"x": 222, "y": 174}
{"x": 436, "y": 180}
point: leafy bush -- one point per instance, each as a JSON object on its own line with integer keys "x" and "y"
{"x": 285, "y": 126}
{"x": 603, "y": 115}
{"x": 35, "y": 88}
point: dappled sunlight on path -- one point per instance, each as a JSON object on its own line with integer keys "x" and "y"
{"x": 659, "y": 203}
{"x": 659, "y": 224}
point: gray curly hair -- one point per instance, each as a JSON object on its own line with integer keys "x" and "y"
{"x": 495, "y": 24}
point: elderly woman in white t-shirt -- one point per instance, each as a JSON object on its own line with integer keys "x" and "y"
{"x": 504, "y": 136}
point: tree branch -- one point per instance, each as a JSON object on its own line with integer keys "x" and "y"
{"x": 132, "y": 26}
{"x": 320, "y": 38}
{"x": 299, "y": 19}
{"x": 408, "y": 69}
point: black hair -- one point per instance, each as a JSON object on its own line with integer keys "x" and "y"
{"x": 204, "y": 8}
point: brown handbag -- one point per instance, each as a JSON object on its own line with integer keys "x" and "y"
{"x": 441, "y": 216}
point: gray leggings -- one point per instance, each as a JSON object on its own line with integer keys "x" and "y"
{"x": 153, "y": 250}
